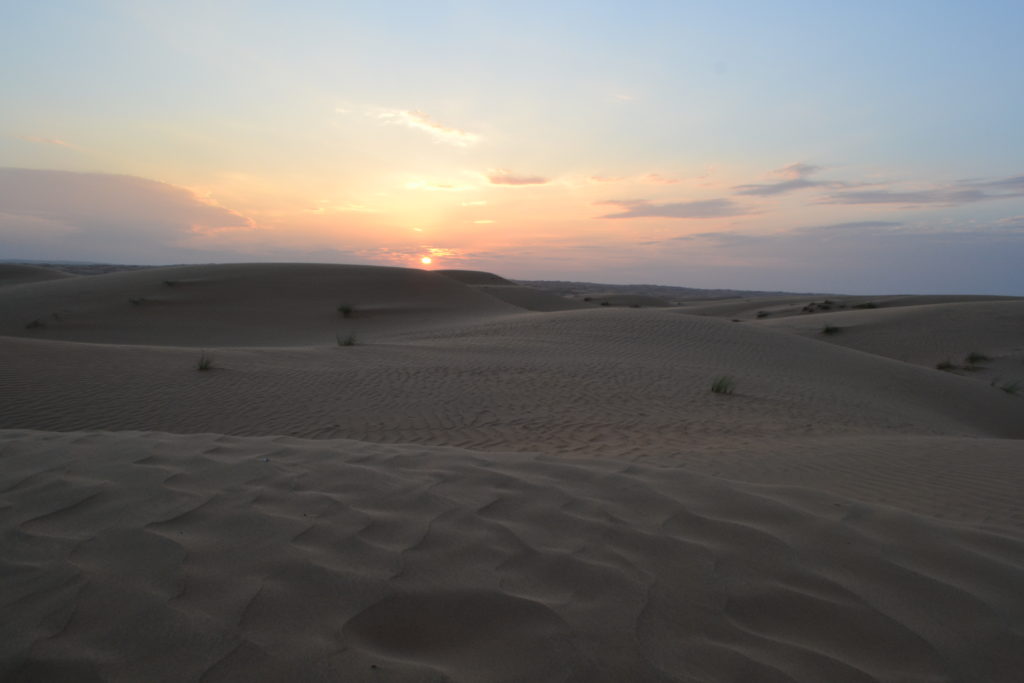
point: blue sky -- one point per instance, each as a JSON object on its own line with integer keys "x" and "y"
{"x": 870, "y": 147}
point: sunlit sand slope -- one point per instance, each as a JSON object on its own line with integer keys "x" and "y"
{"x": 924, "y": 334}
{"x": 148, "y": 556}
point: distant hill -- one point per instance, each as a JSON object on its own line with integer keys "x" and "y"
{"x": 76, "y": 267}
{"x": 665, "y": 292}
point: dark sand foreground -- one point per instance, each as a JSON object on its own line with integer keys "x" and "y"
{"x": 493, "y": 483}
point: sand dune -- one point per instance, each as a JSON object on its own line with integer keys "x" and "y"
{"x": 923, "y": 334}
{"x": 240, "y": 305}
{"x": 486, "y": 490}
{"x": 798, "y": 304}
{"x": 19, "y": 274}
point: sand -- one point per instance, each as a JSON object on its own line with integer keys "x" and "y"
{"x": 491, "y": 484}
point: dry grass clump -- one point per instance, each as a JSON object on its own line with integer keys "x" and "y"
{"x": 723, "y": 385}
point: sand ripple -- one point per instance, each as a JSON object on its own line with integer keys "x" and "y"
{"x": 145, "y": 556}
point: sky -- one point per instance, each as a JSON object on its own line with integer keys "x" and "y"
{"x": 864, "y": 148}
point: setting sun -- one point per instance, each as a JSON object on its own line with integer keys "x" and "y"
{"x": 426, "y": 260}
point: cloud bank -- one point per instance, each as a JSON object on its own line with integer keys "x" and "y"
{"x": 95, "y": 215}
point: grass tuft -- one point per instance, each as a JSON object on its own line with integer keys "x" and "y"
{"x": 830, "y": 329}
{"x": 137, "y": 300}
{"x": 723, "y": 385}
{"x": 762, "y": 314}
{"x": 945, "y": 365}
{"x": 974, "y": 357}
{"x": 204, "y": 363}
{"x": 1013, "y": 388}
{"x": 346, "y": 310}
{"x": 170, "y": 283}
{"x": 35, "y": 324}
{"x": 348, "y": 340}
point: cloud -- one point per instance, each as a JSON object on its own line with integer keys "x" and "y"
{"x": 1011, "y": 222}
{"x": 796, "y": 175}
{"x": 48, "y": 141}
{"x": 707, "y": 208}
{"x": 503, "y": 177}
{"x": 435, "y": 186}
{"x": 102, "y": 217}
{"x": 858, "y": 256}
{"x": 646, "y": 179}
{"x": 948, "y": 197}
{"x": 852, "y": 225}
{"x": 658, "y": 179}
{"x": 418, "y": 120}
{"x": 1014, "y": 185}
{"x": 781, "y": 187}
{"x": 956, "y": 194}
{"x": 797, "y": 170}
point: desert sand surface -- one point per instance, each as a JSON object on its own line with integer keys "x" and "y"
{"x": 18, "y": 274}
{"x": 391, "y": 474}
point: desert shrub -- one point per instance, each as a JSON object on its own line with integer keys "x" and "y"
{"x": 346, "y": 310}
{"x": 35, "y": 324}
{"x": 830, "y": 329}
{"x": 205, "y": 362}
{"x": 866, "y": 304}
{"x": 762, "y": 314}
{"x": 137, "y": 300}
{"x": 348, "y": 340}
{"x": 723, "y": 385}
{"x": 974, "y": 357}
{"x": 945, "y": 365}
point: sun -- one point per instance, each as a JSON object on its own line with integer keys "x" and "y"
{"x": 426, "y": 260}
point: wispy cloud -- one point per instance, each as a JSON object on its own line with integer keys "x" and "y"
{"x": 645, "y": 179}
{"x": 503, "y": 177}
{"x": 964, "y": 192}
{"x": 797, "y": 170}
{"x": 851, "y": 225}
{"x": 795, "y": 179}
{"x": 418, "y": 120}
{"x": 707, "y": 208}
{"x": 781, "y": 187}
{"x": 945, "y": 196}
{"x": 436, "y": 186}
{"x": 49, "y": 141}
